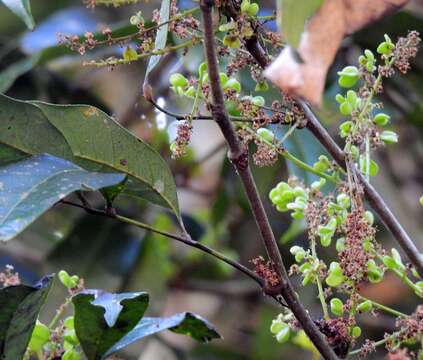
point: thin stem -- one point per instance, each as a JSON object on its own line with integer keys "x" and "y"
{"x": 239, "y": 158}
{"x": 377, "y": 343}
{"x": 319, "y": 282}
{"x": 60, "y": 313}
{"x": 182, "y": 239}
{"x": 384, "y": 308}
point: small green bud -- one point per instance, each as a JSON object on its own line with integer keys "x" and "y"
{"x": 345, "y": 108}
{"x": 190, "y": 92}
{"x": 69, "y": 322}
{"x": 202, "y": 69}
{"x": 340, "y": 244}
{"x": 343, "y": 200}
{"x": 262, "y": 86}
{"x": 265, "y": 134}
{"x": 397, "y": 257}
{"x": 223, "y": 78}
{"x": 335, "y": 276}
{"x": 40, "y": 336}
{"x": 258, "y": 101}
{"x": 421, "y": 200}
{"x": 277, "y": 326}
{"x": 129, "y": 54}
{"x": 318, "y": 184}
{"x": 245, "y": 5}
{"x": 356, "y": 332}
{"x": 232, "y": 41}
{"x": 374, "y": 167}
{"x": 368, "y": 215}
{"x": 136, "y": 19}
{"x": 283, "y": 335}
{"x": 233, "y": 84}
{"x": 352, "y": 98}
{"x": 336, "y": 306}
{"x": 389, "y": 137}
{"x": 348, "y": 77}
{"x": 339, "y": 98}
{"x": 71, "y": 354}
{"x": 67, "y": 280}
{"x": 381, "y": 119}
{"x": 374, "y": 273}
{"x": 365, "y": 306}
{"x": 178, "y": 80}
{"x": 70, "y": 337}
{"x": 253, "y": 9}
{"x": 345, "y": 127}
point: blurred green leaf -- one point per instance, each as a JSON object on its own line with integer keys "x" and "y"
{"x": 20, "y": 306}
{"x": 11, "y": 73}
{"x": 30, "y": 187}
{"x": 22, "y": 9}
{"x": 161, "y": 38}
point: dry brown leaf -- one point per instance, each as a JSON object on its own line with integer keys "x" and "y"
{"x": 319, "y": 43}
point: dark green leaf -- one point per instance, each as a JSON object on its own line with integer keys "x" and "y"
{"x": 20, "y": 306}
{"x": 292, "y": 15}
{"x": 183, "y": 323}
{"x": 30, "y": 187}
{"x": 89, "y": 138}
{"x": 21, "y": 8}
{"x": 161, "y": 38}
{"x": 11, "y": 73}
{"x": 102, "y": 318}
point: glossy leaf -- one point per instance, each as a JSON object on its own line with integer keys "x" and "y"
{"x": 89, "y": 138}
{"x": 21, "y": 8}
{"x": 293, "y": 15}
{"x": 183, "y": 323}
{"x": 161, "y": 38}
{"x": 31, "y": 186}
{"x": 20, "y": 306}
{"x": 102, "y": 318}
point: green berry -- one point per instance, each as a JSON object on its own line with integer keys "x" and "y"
{"x": 245, "y": 5}
{"x": 381, "y": 119}
{"x": 345, "y": 108}
{"x": 232, "y": 41}
{"x": 389, "y": 137}
{"x": 71, "y": 354}
{"x": 365, "y": 306}
{"x": 368, "y": 215}
{"x": 258, "y": 101}
{"x": 190, "y": 92}
{"x": 40, "y": 336}
{"x": 129, "y": 54}
{"x": 335, "y": 276}
{"x": 374, "y": 167}
{"x": 340, "y": 244}
{"x": 67, "y": 280}
{"x": 277, "y": 326}
{"x": 348, "y": 77}
{"x": 283, "y": 335}
{"x": 265, "y": 134}
{"x": 262, "y": 86}
{"x": 178, "y": 80}
{"x": 339, "y": 98}
{"x": 223, "y": 78}
{"x": 374, "y": 273}
{"x": 356, "y": 332}
{"x": 233, "y": 84}
{"x": 253, "y": 9}
{"x": 336, "y": 306}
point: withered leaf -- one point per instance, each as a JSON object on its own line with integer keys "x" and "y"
{"x": 304, "y": 75}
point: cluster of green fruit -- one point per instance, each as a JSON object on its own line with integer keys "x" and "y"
{"x": 286, "y": 198}
{"x": 41, "y": 338}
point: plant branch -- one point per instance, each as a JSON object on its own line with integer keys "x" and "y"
{"x": 238, "y": 155}
{"x": 187, "y": 241}
{"x": 373, "y": 197}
